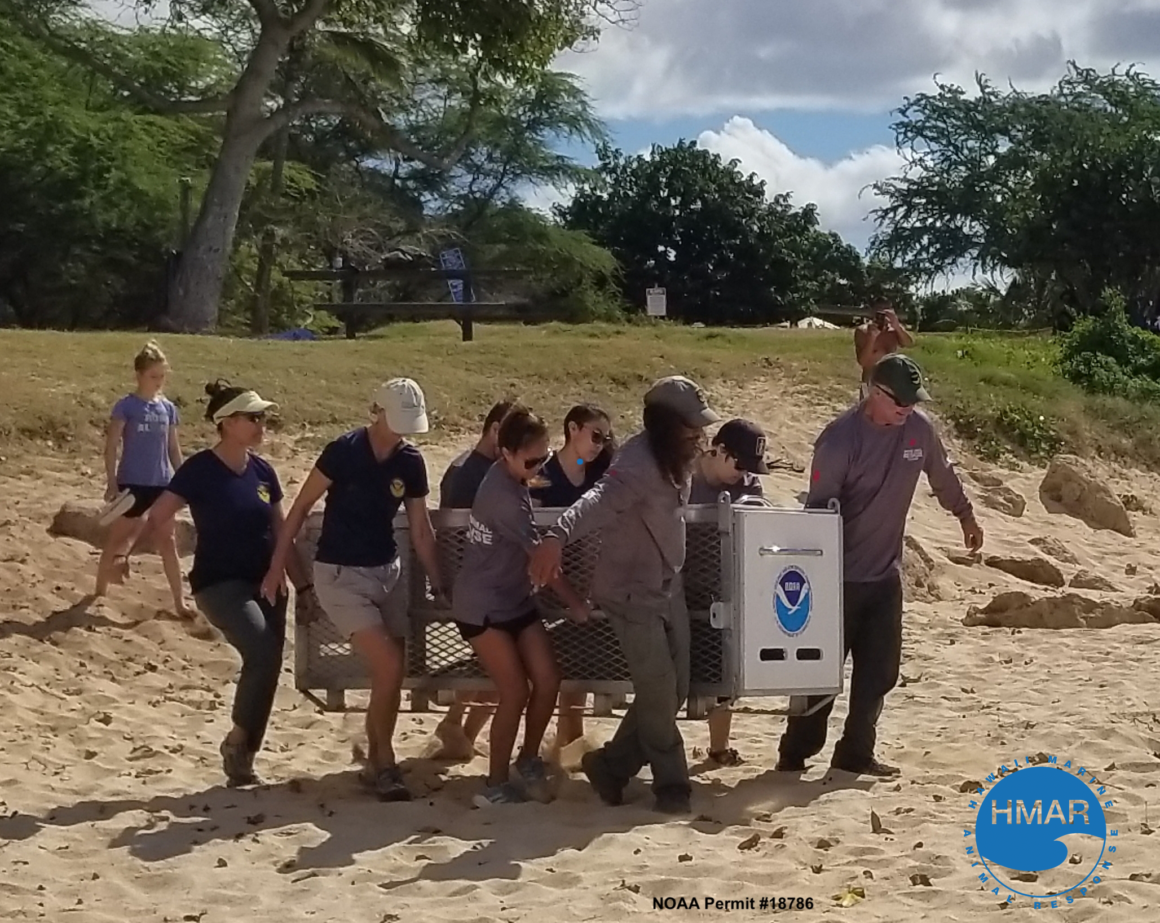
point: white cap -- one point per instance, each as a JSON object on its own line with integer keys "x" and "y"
{"x": 246, "y": 402}
{"x": 403, "y": 405}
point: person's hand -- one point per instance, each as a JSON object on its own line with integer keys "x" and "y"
{"x": 972, "y": 534}
{"x": 580, "y": 613}
{"x": 546, "y": 562}
{"x": 891, "y": 318}
{"x": 273, "y": 584}
{"x": 111, "y": 493}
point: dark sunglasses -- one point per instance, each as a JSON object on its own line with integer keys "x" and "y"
{"x": 253, "y": 417}
{"x": 894, "y": 397}
{"x": 600, "y": 437}
{"x": 531, "y": 464}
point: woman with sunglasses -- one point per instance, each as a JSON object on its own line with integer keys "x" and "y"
{"x": 235, "y": 499}
{"x": 492, "y": 604}
{"x": 568, "y": 474}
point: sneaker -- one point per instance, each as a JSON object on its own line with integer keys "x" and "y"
{"x": 869, "y": 768}
{"x": 673, "y": 801}
{"x": 389, "y": 785}
{"x": 533, "y": 777}
{"x": 498, "y": 794}
{"x": 609, "y": 788}
{"x": 237, "y": 764}
{"x": 790, "y": 764}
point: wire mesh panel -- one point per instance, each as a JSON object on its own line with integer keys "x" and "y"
{"x": 589, "y": 655}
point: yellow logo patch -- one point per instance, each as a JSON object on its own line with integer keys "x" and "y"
{"x": 264, "y": 493}
{"x": 397, "y": 489}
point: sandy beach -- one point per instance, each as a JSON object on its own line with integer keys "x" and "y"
{"x": 112, "y": 805}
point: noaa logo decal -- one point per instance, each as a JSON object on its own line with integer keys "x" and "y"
{"x": 1041, "y": 832}
{"x": 792, "y": 600}
{"x": 397, "y": 488}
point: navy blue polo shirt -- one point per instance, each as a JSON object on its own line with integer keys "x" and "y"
{"x": 232, "y": 515}
{"x": 358, "y": 525}
{"x": 560, "y": 492}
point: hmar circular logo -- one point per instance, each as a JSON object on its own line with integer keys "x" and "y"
{"x": 1041, "y": 832}
{"x": 792, "y": 600}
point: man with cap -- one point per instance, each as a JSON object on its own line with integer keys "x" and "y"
{"x": 869, "y": 459}
{"x": 638, "y": 506}
{"x": 879, "y": 337}
{"x": 735, "y": 458}
{"x": 367, "y": 474}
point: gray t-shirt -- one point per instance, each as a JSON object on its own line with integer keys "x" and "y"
{"x": 873, "y": 471}
{"x": 702, "y": 492}
{"x": 493, "y": 584}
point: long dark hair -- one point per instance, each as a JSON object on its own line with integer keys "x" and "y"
{"x": 665, "y": 430}
{"x": 220, "y": 392}
{"x": 582, "y": 415}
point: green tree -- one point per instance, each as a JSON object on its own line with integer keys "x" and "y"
{"x": 1060, "y": 189}
{"x": 500, "y": 39}
{"x": 683, "y": 219}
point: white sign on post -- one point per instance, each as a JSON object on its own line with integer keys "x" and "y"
{"x": 656, "y": 302}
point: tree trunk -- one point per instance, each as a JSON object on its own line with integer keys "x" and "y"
{"x": 194, "y": 302}
{"x": 260, "y": 312}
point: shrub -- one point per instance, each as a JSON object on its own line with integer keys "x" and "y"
{"x": 1106, "y": 354}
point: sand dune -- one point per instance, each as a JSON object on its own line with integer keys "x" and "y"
{"x": 112, "y": 808}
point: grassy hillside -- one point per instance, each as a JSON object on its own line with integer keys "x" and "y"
{"x": 999, "y": 391}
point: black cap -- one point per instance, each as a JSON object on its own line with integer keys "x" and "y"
{"x": 745, "y": 441}
{"x": 901, "y": 376}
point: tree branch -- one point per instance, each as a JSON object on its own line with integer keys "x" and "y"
{"x": 310, "y": 13}
{"x": 98, "y": 65}
{"x": 268, "y": 13}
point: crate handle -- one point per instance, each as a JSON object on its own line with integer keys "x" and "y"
{"x": 774, "y": 550}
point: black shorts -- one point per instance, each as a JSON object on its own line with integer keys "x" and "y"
{"x": 514, "y": 627}
{"x": 143, "y": 498}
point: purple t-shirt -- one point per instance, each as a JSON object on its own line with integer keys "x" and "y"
{"x": 145, "y": 441}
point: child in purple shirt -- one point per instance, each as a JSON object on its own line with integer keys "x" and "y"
{"x": 141, "y": 453}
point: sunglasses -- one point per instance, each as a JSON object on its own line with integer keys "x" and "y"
{"x": 600, "y": 437}
{"x": 253, "y": 417}
{"x": 531, "y": 464}
{"x": 894, "y": 397}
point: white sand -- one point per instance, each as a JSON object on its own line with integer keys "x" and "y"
{"x": 112, "y": 808}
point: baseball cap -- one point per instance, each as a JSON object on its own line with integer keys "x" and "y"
{"x": 246, "y": 402}
{"x": 683, "y": 396}
{"x": 901, "y": 376}
{"x": 745, "y": 441}
{"x": 403, "y": 405}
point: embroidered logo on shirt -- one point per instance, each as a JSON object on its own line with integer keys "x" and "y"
{"x": 264, "y": 493}
{"x": 477, "y": 532}
{"x": 912, "y": 454}
{"x": 397, "y": 488}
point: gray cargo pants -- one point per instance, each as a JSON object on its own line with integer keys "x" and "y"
{"x": 654, "y": 639}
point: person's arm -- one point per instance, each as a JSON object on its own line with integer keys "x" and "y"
{"x": 285, "y": 551}
{"x": 113, "y": 438}
{"x": 578, "y": 608}
{"x": 423, "y": 541}
{"x": 948, "y": 489}
{"x": 295, "y": 567}
{"x": 175, "y": 457}
{"x": 161, "y": 514}
{"x": 828, "y": 471}
{"x": 905, "y": 340}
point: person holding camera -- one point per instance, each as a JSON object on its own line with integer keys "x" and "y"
{"x": 879, "y": 337}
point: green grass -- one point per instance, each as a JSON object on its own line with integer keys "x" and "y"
{"x": 1001, "y": 392}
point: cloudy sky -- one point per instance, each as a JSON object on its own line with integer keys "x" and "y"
{"x": 801, "y": 91}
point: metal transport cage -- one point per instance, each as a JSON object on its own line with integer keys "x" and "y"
{"x": 739, "y": 613}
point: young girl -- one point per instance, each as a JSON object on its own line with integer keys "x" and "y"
{"x": 569, "y": 474}
{"x": 143, "y": 430}
{"x": 493, "y": 607}
{"x": 236, "y": 501}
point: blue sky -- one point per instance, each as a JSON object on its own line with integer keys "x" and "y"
{"x": 802, "y": 92}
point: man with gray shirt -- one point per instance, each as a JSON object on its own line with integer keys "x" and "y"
{"x": 638, "y": 506}
{"x": 870, "y": 459}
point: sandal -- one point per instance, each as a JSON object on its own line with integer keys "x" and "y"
{"x": 729, "y": 757}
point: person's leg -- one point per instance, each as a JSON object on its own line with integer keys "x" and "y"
{"x": 720, "y": 727}
{"x": 383, "y": 656}
{"x": 539, "y": 661}
{"x": 877, "y": 658}
{"x": 166, "y": 540}
{"x": 570, "y": 723}
{"x": 805, "y": 735}
{"x": 122, "y": 533}
{"x": 257, "y": 630}
{"x": 499, "y": 656}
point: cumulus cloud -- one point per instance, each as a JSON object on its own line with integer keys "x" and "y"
{"x": 698, "y": 57}
{"x": 839, "y": 189}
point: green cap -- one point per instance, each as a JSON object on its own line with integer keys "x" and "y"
{"x": 901, "y": 376}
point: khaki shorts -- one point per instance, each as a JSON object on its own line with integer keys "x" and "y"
{"x": 358, "y": 598}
